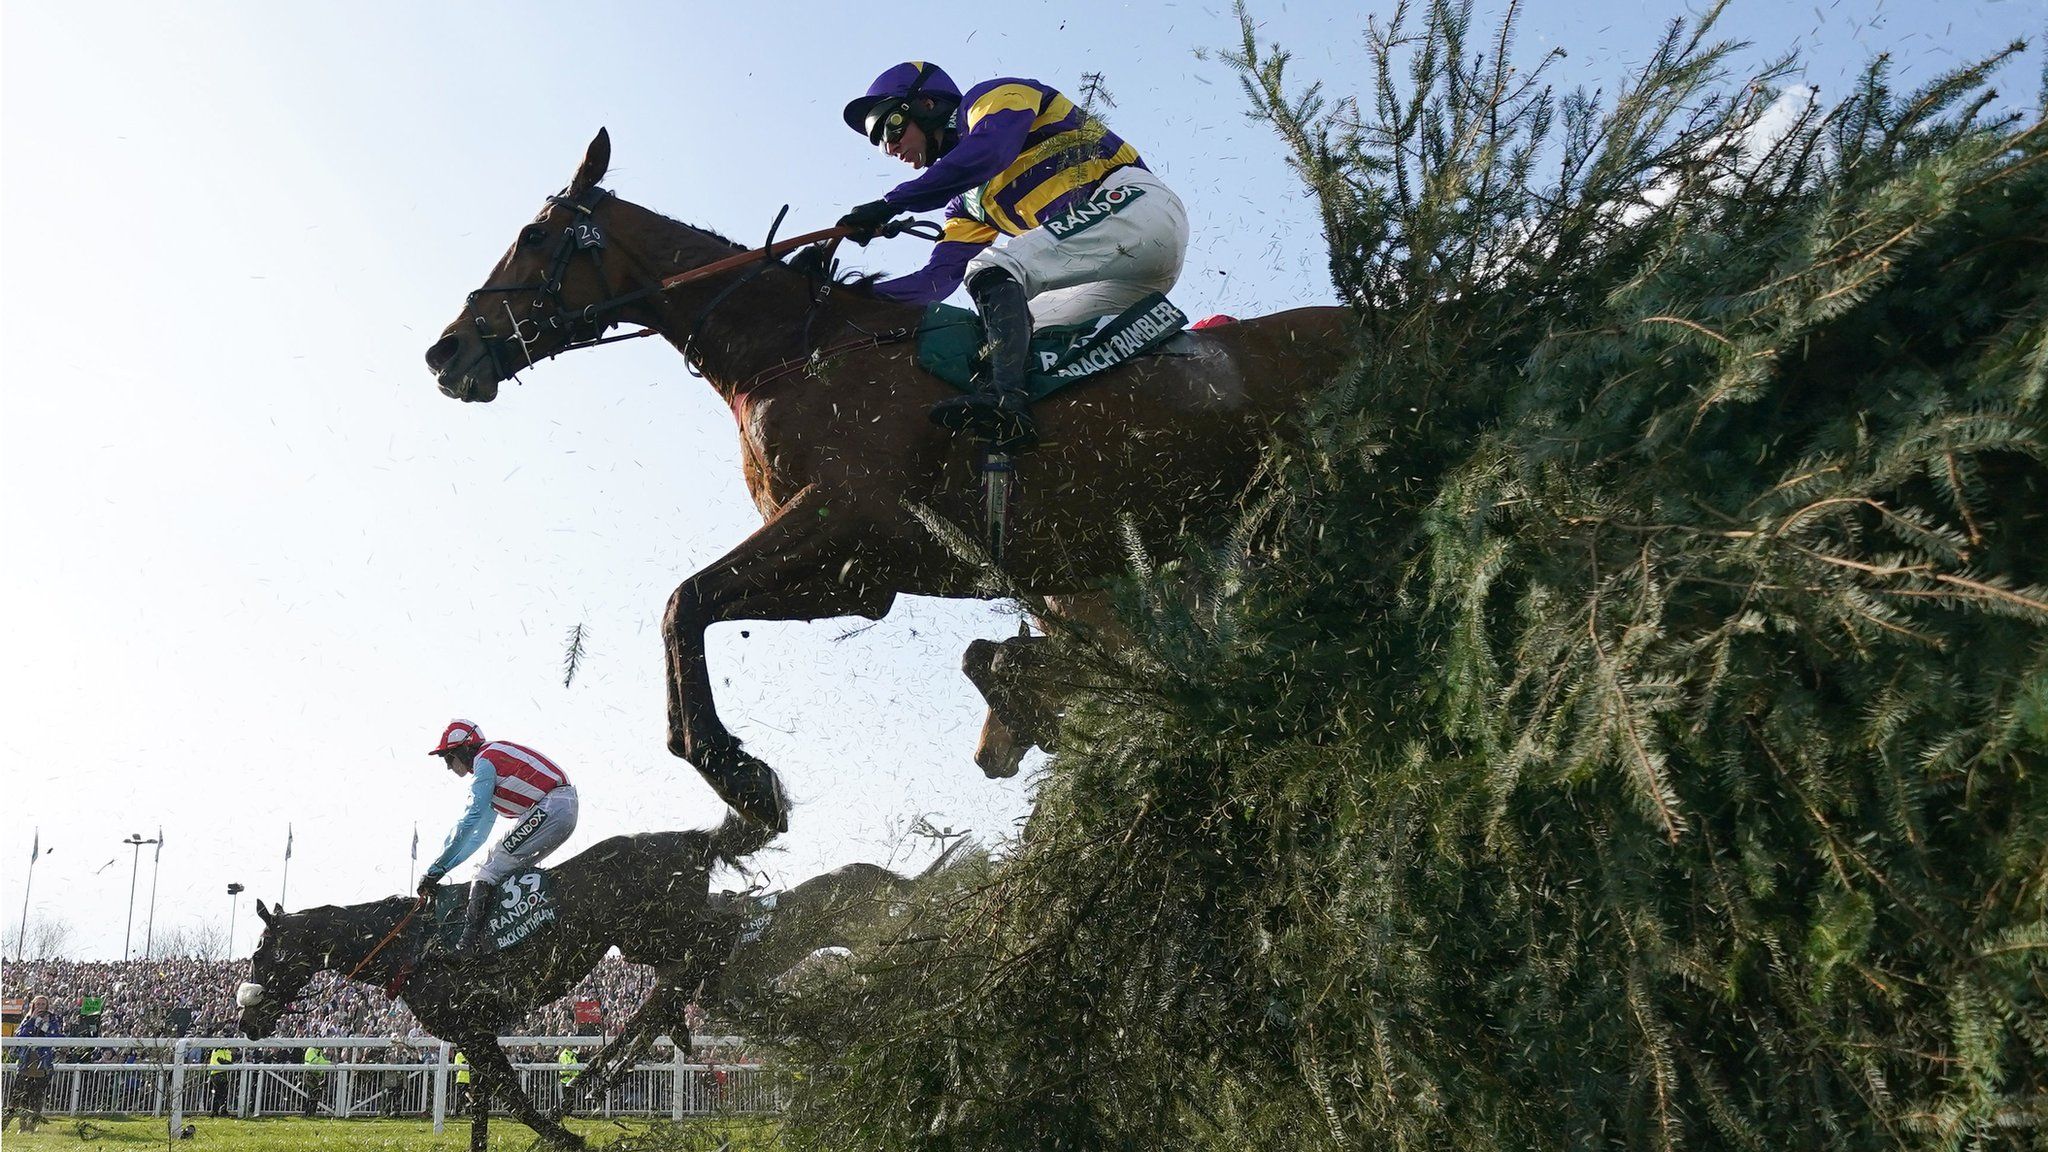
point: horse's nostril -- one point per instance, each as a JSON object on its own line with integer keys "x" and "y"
{"x": 442, "y": 352}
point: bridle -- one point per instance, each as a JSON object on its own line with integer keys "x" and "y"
{"x": 405, "y": 970}
{"x": 291, "y": 1006}
{"x": 584, "y": 327}
{"x": 582, "y": 235}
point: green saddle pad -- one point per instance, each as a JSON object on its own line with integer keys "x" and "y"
{"x": 521, "y": 907}
{"x": 949, "y": 343}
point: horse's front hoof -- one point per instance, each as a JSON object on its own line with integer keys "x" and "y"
{"x": 749, "y": 786}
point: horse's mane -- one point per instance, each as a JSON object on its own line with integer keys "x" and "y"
{"x": 322, "y": 912}
{"x": 665, "y": 218}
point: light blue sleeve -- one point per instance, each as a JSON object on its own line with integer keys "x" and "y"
{"x": 474, "y": 827}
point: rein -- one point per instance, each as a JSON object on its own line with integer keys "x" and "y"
{"x": 773, "y": 249}
{"x": 585, "y": 235}
{"x": 404, "y": 920}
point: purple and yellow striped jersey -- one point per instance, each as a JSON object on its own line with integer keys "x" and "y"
{"x": 1025, "y": 154}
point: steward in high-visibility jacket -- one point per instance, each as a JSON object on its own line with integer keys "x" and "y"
{"x": 217, "y": 1063}
{"x": 566, "y": 1059}
{"x": 461, "y": 1063}
{"x": 310, "y": 1087}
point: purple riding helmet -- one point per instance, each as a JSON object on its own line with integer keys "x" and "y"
{"x": 893, "y": 100}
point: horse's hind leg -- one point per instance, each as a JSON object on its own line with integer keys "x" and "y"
{"x": 812, "y": 561}
{"x": 610, "y": 1062}
{"x": 664, "y": 1007}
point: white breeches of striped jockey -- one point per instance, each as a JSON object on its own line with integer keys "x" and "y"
{"x": 542, "y": 830}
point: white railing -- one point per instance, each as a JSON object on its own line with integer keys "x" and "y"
{"x": 170, "y": 1077}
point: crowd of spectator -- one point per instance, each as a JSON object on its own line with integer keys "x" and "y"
{"x": 155, "y": 997}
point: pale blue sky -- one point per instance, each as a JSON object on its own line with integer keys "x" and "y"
{"x": 254, "y": 560}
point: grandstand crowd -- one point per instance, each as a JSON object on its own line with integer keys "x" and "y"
{"x": 153, "y": 997}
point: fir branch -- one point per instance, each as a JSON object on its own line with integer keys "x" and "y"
{"x": 572, "y": 653}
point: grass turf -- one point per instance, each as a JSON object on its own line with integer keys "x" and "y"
{"x": 280, "y": 1134}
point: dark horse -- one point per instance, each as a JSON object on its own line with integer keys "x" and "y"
{"x": 648, "y": 894}
{"x": 838, "y": 454}
{"x": 1027, "y": 683}
{"x": 787, "y": 935}
{"x": 1025, "y": 696}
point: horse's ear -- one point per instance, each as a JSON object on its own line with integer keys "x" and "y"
{"x": 596, "y": 159}
{"x": 264, "y": 913}
{"x": 1023, "y": 628}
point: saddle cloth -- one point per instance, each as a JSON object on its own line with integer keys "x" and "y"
{"x": 523, "y": 905}
{"x": 950, "y": 341}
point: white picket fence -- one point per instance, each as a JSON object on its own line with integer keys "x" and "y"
{"x": 170, "y": 1077}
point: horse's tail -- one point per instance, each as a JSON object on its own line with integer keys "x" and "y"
{"x": 736, "y": 836}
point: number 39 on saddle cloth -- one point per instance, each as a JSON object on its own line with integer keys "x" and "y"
{"x": 522, "y": 908}
{"x": 950, "y": 343}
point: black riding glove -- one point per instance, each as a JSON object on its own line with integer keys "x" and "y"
{"x": 863, "y": 222}
{"x": 427, "y": 886}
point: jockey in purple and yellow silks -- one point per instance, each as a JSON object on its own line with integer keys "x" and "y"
{"x": 1090, "y": 229}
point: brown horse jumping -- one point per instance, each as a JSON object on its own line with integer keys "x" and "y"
{"x": 838, "y": 453}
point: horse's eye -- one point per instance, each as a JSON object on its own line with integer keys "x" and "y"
{"x": 533, "y": 235}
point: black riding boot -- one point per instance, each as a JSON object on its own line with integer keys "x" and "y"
{"x": 998, "y": 409}
{"x": 473, "y": 918}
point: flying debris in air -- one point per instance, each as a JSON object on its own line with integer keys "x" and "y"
{"x": 572, "y": 656}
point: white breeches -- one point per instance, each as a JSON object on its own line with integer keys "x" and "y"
{"x": 542, "y": 830}
{"x": 1076, "y": 269}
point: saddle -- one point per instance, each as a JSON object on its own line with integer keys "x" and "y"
{"x": 950, "y": 342}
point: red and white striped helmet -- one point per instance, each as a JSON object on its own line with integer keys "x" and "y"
{"x": 458, "y": 734}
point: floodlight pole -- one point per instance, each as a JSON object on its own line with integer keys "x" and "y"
{"x": 21, "y": 941}
{"x": 136, "y": 842}
{"x": 234, "y": 890}
{"x": 156, "y": 861}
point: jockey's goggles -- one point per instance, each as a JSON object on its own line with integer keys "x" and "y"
{"x": 888, "y": 122}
